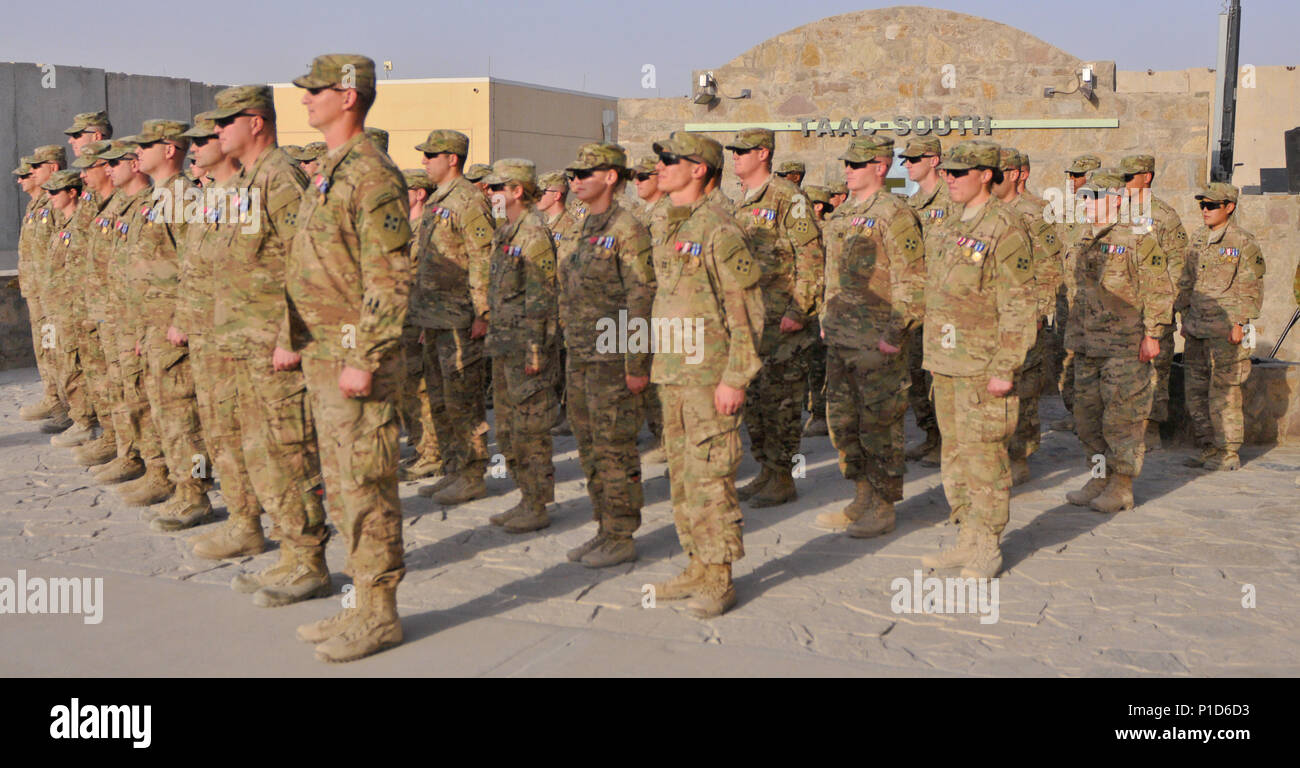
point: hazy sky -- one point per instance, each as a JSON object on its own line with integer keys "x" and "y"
{"x": 593, "y": 45}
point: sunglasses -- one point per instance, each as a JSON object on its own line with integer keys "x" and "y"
{"x": 496, "y": 187}
{"x": 118, "y": 161}
{"x": 316, "y": 91}
{"x": 915, "y": 158}
{"x": 643, "y": 176}
{"x": 1207, "y": 205}
{"x": 857, "y": 166}
{"x": 582, "y": 174}
{"x": 223, "y": 122}
{"x": 1074, "y": 175}
{"x": 668, "y": 158}
{"x": 200, "y": 141}
{"x": 737, "y": 151}
{"x": 431, "y": 155}
{"x": 959, "y": 173}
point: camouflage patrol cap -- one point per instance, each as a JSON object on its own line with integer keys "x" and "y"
{"x": 90, "y": 154}
{"x": 378, "y": 137}
{"x": 1219, "y": 191}
{"x": 158, "y": 130}
{"x": 443, "y": 140}
{"x": 477, "y": 172}
{"x": 203, "y": 128}
{"x": 817, "y": 194}
{"x": 1138, "y": 164}
{"x": 972, "y": 154}
{"x": 1083, "y": 164}
{"x": 790, "y": 166}
{"x": 48, "y": 153}
{"x": 118, "y": 148}
{"x": 417, "y": 178}
{"x": 22, "y": 170}
{"x": 1024, "y": 160}
{"x": 646, "y": 164}
{"x": 866, "y": 148}
{"x": 837, "y": 188}
{"x": 314, "y": 150}
{"x": 597, "y": 155}
{"x": 238, "y": 98}
{"x": 553, "y": 180}
{"x": 753, "y": 138}
{"x": 348, "y": 70}
{"x": 1009, "y": 159}
{"x": 692, "y": 145}
{"x": 62, "y": 180}
{"x": 922, "y": 145}
{"x": 85, "y": 121}
{"x": 294, "y": 151}
{"x": 513, "y": 170}
{"x": 1104, "y": 179}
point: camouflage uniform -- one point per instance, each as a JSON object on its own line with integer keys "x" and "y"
{"x": 450, "y": 291}
{"x": 67, "y": 324}
{"x": 875, "y": 291}
{"x": 782, "y": 233}
{"x": 1068, "y": 233}
{"x": 1220, "y": 286}
{"x": 90, "y": 350}
{"x": 32, "y": 239}
{"x": 606, "y": 277}
{"x": 648, "y": 215}
{"x": 559, "y": 225}
{"x": 104, "y": 235}
{"x": 417, "y": 417}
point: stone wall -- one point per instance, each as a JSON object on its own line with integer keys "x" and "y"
{"x": 15, "y": 329}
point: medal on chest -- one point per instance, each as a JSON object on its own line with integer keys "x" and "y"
{"x": 1114, "y": 250}
{"x": 321, "y": 184}
{"x": 934, "y": 213}
{"x": 604, "y": 243}
{"x": 1229, "y": 255}
{"x": 66, "y": 237}
{"x": 866, "y": 226}
{"x": 974, "y": 250}
{"x": 766, "y": 217}
{"x": 122, "y": 229}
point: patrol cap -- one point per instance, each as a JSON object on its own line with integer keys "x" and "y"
{"x": 646, "y": 164}
{"x": 1104, "y": 179}
{"x": 349, "y": 70}
{"x": 922, "y": 145}
{"x": 378, "y": 137}
{"x": 314, "y": 150}
{"x": 866, "y": 148}
{"x": 203, "y": 128}
{"x": 62, "y": 180}
{"x": 1009, "y": 159}
{"x": 972, "y": 154}
{"x": 1218, "y": 192}
{"x": 1083, "y": 164}
{"x": 443, "y": 140}
{"x": 514, "y": 170}
{"x": 837, "y": 188}
{"x": 239, "y": 98}
{"x": 22, "y": 170}
{"x": 1138, "y": 164}
{"x": 554, "y": 179}
{"x": 477, "y": 172}
{"x": 1024, "y": 160}
{"x": 48, "y": 153}
{"x": 817, "y": 194}
{"x": 295, "y": 151}
{"x": 85, "y": 121}
{"x": 118, "y": 148}
{"x": 159, "y": 130}
{"x": 790, "y": 166}
{"x": 753, "y": 138}
{"x": 417, "y": 178}
{"x": 692, "y": 145}
{"x": 597, "y": 155}
{"x": 90, "y": 154}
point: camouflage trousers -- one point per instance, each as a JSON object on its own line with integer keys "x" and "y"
{"x": 95, "y": 369}
{"x": 1162, "y": 363}
{"x": 263, "y": 443}
{"x": 137, "y": 434}
{"x": 1059, "y": 373}
{"x": 1029, "y": 387}
{"x": 975, "y": 427}
{"x": 169, "y": 384}
{"x": 606, "y": 417}
{"x": 654, "y": 411}
{"x": 704, "y": 452}
{"x": 1215, "y": 370}
{"x": 417, "y": 418}
{"x": 866, "y": 399}
{"x": 45, "y": 346}
{"x": 358, "y": 455}
{"x": 72, "y": 385}
{"x": 1112, "y": 401}
{"x": 525, "y": 408}
{"x": 918, "y": 394}
{"x": 205, "y": 378}
{"x": 773, "y": 412}
{"x": 454, "y": 367}
{"x": 816, "y": 362}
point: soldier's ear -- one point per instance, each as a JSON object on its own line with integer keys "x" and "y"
{"x": 1230, "y": 208}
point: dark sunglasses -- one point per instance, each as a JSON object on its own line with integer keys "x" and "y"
{"x": 738, "y": 151}
{"x": 496, "y": 187}
{"x": 583, "y": 173}
{"x": 316, "y": 91}
{"x": 200, "y": 141}
{"x": 959, "y": 173}
{"x": 431, "y": 155}
{"x": 1129, "y": 176}
{"x": 117, "y": 161}
{"x": 1074, "y": 175}
{"x": 643, "y": 176}
{"x": 223, "y": 122}
{"x": 668, "y": 158}
{"x": 915, "y": 158}
{"x": 857, "y": 166}
{"x": 1207, "y": 205}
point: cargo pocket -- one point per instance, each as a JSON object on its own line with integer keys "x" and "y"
{"x": 716, "y": 454}
{"x": 986, "y": 418}
{"x": 372, "y": 456}
{"x": 289, "y": 418}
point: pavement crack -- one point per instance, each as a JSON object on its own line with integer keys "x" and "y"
{"x": 584, "y": 592}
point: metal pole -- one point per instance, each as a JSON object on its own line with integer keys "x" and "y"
{"x": 1223, "y": 165}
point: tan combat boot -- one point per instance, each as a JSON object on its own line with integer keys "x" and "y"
{"x": 531, "y": 517}
{"x": 57, "y": 423}
{"x": 614, "y": 550}
{"x": 683, "y": 585}
{"x": 248, "y": 583}
{"x": 418, "y": 469}
{"x": 1152, "y": 437}
{"x": 240, "y": 536}
{"x": 1197, "y": 462}
{"x": 987, "y": 562}
{"x": 168, "y": 507}
{"x": 152, "y": 488}
{"x": 191, "y": 506}
{"x": 309, "y": 578}
{"x": 715, "y": 593}
{"x": 39, "y": 411}
{"x": 373, "y": 628}
{"x": 500, "y": 518}
{"x": 863, "y": 498}
{"x": 120, "y": 470}
{"x": 924, "y": 448}
{"x": 98, "y": 451}
{"x": 778, "y": 490}
{"x": 956, "y": 556}
{"x": 1019, "y": 472}
{"x": 442, "y": 482}
{"x": 816, "y": 427}
{"x": 1084, "y": 496}
{"x": 580, "y": 551}
{"x": 877, "y": 522}
{"x": 319, "y": 631}
{"x": 754, "y": 486}
{"x": 466, "y": 487}
{"x": 77, "y": 434}
{"x": 1223, "y": 461}
{"x": 1118, "y": 495}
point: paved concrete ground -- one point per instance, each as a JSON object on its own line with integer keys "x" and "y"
{"x": 1155, "y": 591}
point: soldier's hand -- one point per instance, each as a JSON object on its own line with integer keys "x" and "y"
{"x": 728, "y": 400}
{"x": 284, "y": 360}
{"x": 421, "y": 336}
{"x": 790, "y": 326}
{"x": 637, "y": 384}
{"x": 1148, "y": 349}
{"x": 478, "y": 328}
{"x": 354, "y": 382}
{"x": 999, "y": 387}
{"x": 137, "y": 349}
{"x": 886, "y": 348}
{"x": 175, "y": 336}
{"x": 532, "y": 370}
{"x": 1236, "y": 334}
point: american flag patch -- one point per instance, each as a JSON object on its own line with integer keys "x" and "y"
{"x": 687, "y": 247}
